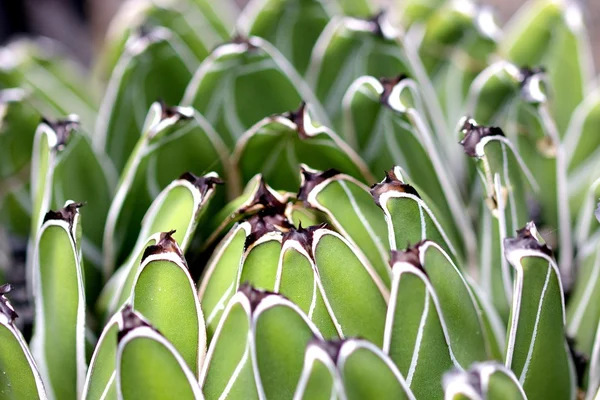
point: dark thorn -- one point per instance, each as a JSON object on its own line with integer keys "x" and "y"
{"x": 388, "y": 85}
{"x": 255, "y": 296}
{"x": 63, "y": 129}
{"x": 410, "y": 255}
{"x": 131, "y": 321}
{"x": 241, "y": 39}
{"x": 66, "y": 214}
{"x": 375, "y": 22}
{"x": 331, "y": 347}
{"x": 267, "y": 220}
{"x": 526, "y": 240}
{"x": 166, "y": 244}
{"x": 304, "y": 236}
{"x": 311, "y": 179}
{"x": 298, "y": 118}
{"x": 391, "y": 183}
{"x": 169, "y": 112}
{"x": 473, "y": 134}
{"x": 203, "y": 183}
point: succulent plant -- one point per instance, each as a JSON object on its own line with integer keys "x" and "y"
{"x": 212, "y": 225}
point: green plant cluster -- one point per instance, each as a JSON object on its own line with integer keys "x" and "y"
{"x": 304, "y": 199}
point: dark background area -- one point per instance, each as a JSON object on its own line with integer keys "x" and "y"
{"x": 81, "y": 24}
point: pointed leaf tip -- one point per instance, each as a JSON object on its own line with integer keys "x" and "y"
{"x": 203, "y": 183}
{"x": 67, "y": 213}
{"x": 266, "y": 221}
{"x": 303, "y": 236}
{"x": 379, "y": 26}
{"x": 411, "y": 255}
{"x": 243, "y": 40}
{"x": 180, "y": 113}
{"x": 473, "y": 133}
{"x": 63, "y": 129}
{"x": 166, "y": 244}
{"x": 526, "y": 240}
{"x": 312, "y": 178}
{"x": 264, "y": 198}
{"x": 5, "y": 307}
{"x": 331, "y": 347}
{"x": 298, "y": 117}
{"x": 391, "y": 182}
{"x": 388, "y": 86}
{"x": 131, "y": 320}
{"x": 529, "y": 82}
{"x": 254, "y": 295}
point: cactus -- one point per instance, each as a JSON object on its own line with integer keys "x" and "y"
{"x": 303, "y": 199}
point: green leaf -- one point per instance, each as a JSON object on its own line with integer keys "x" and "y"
{"x": 417, "y": 336}
{"x": 149, "y": 366}
{"x": 58, "y": 86}
{"x": 320, "y": 379}
{"x": 166, "y": 295}
{"x": 248, "y": 253}
{"x": 291, "y": 139}
{"x": 368, "y": 373}
{"x": 198, "y": 30}
{"x": 385, "y": 121}
{"x": 349, "y": 207}
{"x": 172, "y": 141}
{"x": 508, "y": 184}
{"x": 583, "y": 310}
{"x": 258, "y": 348}
{"x": 281, "y": 332}
{"x": 292, "y": 26}
{"x": 101, "y": 375}
{"x": 352, "y": 291}
{"x": 552, "y": 34}
{"x": 409, "y": 219}
{"x": 58, "y": 341}
{"x": 179, "y": 208}
{"x": 20, "y": 378}
{"x": 349, "y": 48}
{"x": 416, "y": 11}
{"x": 537, "y": 350}
{"x": 136, "y": 82}
{"x": 228, "y": 368}
{"x": 486, "y": 380}
{"x": 18, "y": 121}
{"x": 240, "y": 72}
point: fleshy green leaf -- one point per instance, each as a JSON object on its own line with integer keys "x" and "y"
{"x": 552, "y": 34}
{"x": 178, "y": 207}
{"x": 487, "y": 380}
{"x": 149, "y": 366}
{"x": 537, "y": 350}
{"x": 408, "y": 217}
{"x": 101, "y": 375}
{"x": 241, "y": 72}
{"x": 367, "y": 373}
{"x": 292, "y": 26}
{"x": 173, "y": 140}
{"x": 258, "y": 347}
{"x": 349, "y": 48}
{"x": 166, "y": 295}
{"x": 136, "y": 82}
{"x": 20, "y": 378}
{"x": 508, "y": 183}
{"x": 57, "y": 84}
{"x": 349, "y": 207}
{"x": 58, "y": 341}
{"x": 290, "y": 139}
{"x": 385, "y": 121}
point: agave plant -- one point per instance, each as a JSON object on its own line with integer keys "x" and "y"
{"x": 200, "y": 216}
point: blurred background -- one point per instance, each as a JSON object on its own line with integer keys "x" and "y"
{"x": 81, "y": 24}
